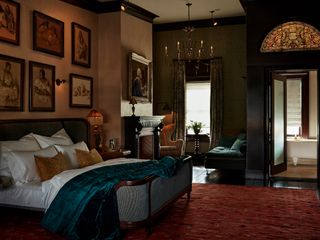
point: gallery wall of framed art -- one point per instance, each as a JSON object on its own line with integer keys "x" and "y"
{"x": 45, "y": 49}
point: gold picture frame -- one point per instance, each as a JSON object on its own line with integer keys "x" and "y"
{"x": 12, "y": 71}
{"x": 42, "y": 87}
{"x": 10, "y": 22}
{"x": 139, "y": 78}
{"x": 81, "y": 91}
{"x": 81, "y": 45}
{"x": 48, "y": 34}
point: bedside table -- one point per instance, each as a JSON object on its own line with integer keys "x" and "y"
{"x": 106, "y": 155}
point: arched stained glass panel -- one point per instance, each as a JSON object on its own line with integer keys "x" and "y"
{"x": 291, "y": 36}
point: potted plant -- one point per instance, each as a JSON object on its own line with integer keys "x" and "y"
{"x": 195, "y": 126}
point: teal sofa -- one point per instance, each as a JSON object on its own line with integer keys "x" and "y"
{"x": 230, "y": 153}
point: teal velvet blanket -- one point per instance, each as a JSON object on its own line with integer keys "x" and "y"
{"x": 86, "y": 206}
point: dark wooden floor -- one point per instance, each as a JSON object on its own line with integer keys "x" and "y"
{"x": 201, "y": 175}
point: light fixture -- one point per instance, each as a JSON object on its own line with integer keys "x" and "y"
{"x": 214, "y": 21}
{"x": 190, "y": 49}
{"x": 95, "y": 119}
{"x": 124, "y": 5}
{"x": 133, "y": 101}
{"x": 60, "y": 81}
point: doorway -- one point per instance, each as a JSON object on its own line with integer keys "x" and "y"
{"x": 292, "y": 124}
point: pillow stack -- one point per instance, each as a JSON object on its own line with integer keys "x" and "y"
{"x": 36, "y": 157}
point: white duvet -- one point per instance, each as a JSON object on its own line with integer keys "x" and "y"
{"x": 51, "y": 187}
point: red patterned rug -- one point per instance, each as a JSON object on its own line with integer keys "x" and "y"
{"x": 213, "y": 212}
{"x": 239, "y": 212}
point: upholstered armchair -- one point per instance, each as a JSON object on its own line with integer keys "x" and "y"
{"x": 169, "y": 146}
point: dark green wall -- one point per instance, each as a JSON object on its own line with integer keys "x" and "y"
{"x": 229, "y": 43}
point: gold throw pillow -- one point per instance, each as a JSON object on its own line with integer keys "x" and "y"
{"x": 88, "y": 158}
{"x": 48, "y": 167}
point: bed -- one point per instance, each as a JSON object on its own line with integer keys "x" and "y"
{"x": 139, "y": 201}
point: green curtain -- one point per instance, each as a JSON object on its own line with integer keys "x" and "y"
{"x": 179, "y": 109}
{"x": 216, "y": 101}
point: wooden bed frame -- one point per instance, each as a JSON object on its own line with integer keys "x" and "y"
{"x": 145, "y": 193}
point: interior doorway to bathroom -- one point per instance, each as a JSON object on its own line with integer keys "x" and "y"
{"x": 293, "y": 120}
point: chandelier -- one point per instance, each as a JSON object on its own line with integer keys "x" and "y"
{"x": 189, "y": 49}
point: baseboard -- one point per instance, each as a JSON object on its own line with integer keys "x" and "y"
{"x": 254, "y": 174}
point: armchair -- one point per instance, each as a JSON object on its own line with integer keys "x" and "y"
{"x": 169, "y": 146}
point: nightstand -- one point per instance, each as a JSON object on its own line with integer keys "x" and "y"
{"x": 106, "y": 155}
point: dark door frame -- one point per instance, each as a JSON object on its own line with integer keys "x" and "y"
{"x": 268, "y": 77}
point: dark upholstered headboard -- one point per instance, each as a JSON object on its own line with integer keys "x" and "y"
{"x": 77, "y": 128}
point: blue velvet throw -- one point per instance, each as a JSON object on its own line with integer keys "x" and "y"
{"x": 86, "y": 206}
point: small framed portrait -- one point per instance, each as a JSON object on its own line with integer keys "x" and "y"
{"x": 80, "y": 91}
{"x": 139, "y": 78}
{"x": 11, "y": 83}
{"x": 42, "y": 88}
{"x": 48, "y": 34}
{"x": 81, "y": 45}
{"x": 10, "y": 21}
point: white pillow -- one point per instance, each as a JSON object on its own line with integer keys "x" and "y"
{"x": 22, "y": 164}
{"x": 60, "y": 137}
{"x": 26, "y": 143}
{"x": 70, "y": 152}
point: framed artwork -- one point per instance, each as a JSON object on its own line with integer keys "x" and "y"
{"x": 10, "y": 21}
{"x": 81, "y": 45}
{"x": 80, "y": 91}
{"x": 48, "y": 34}
{"x": 139, "y": 78}
{"x": 42, "y": 88}
{"x": 11, "y": 83}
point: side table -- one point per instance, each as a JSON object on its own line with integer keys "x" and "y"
{"x": 106, "y": 155}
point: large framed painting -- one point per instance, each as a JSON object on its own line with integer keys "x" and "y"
{"x": 9, "y": 21}
{"x": 81, "y": 45}
{"x": 80, "y": 91}
{"x": 139, "y": 78}
{"x": 48, "y": 34}
{"x": 11, "y": 83}
{"x": 42, "y": 88}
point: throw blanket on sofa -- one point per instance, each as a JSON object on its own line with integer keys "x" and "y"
{"x": 86, "y": 206}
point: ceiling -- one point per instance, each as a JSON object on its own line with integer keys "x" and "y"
{"x": 176, "y": 10}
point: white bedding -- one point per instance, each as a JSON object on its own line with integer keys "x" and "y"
{"x": 40, "y": 195}
{"x": 28, "y": 195}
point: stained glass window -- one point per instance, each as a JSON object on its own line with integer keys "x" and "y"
{"x": 291, "y": 36}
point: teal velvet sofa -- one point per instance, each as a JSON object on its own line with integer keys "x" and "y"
{"x": 230, "y": 153}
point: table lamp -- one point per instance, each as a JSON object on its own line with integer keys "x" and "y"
{"x": 95, "y": 119}
{"x": 133, "y": 101}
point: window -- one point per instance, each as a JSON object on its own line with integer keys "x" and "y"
{"x": 294, "y": 107}
{"x": 198, "y": 104}
{"x": 297, "y": 91}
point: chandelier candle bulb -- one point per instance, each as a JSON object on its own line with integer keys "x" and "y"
{"x": 211, "y": 51}
{"x": 166, "y": 50}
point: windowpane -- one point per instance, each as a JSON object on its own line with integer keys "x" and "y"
{"x": 294, "y": 107}
{"x": 198, "y": 104}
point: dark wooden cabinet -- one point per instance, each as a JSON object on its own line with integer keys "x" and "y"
{"x": 142, "y": 136}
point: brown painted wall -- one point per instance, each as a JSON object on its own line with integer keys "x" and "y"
{"x": 126, "y": 34}
{"x": 229, "y": 43}
{"x": 66, "y": 13}
{"x": 113, "y": 36}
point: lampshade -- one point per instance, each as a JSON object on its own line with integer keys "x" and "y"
{"x": 133, "y": 100}
{"x": 95, "y": 118}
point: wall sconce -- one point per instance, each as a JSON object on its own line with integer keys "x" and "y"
{"x": 95, "y": 119}
{"x": 124, "y": 5}
{"x": 58, "y": 81}
{"x": 133, "y": 101}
